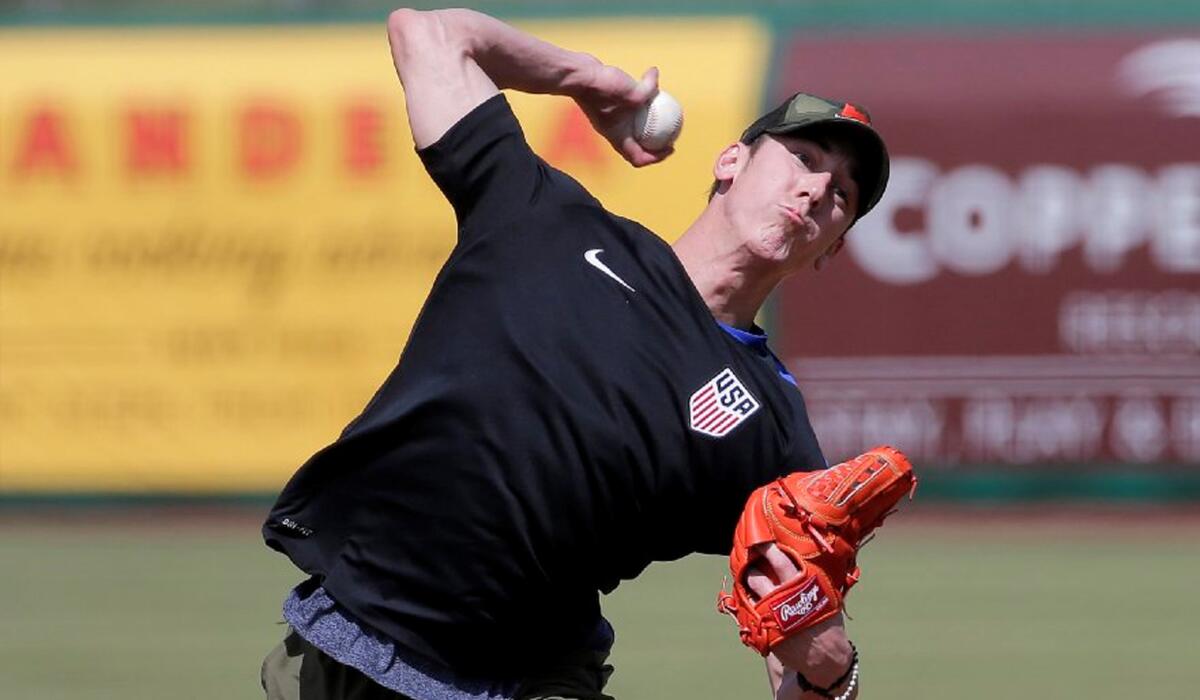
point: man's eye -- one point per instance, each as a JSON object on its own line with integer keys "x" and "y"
{"x": 804, "y": 158}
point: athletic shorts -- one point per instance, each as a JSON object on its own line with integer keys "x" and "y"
{"x": 297, "y": 670}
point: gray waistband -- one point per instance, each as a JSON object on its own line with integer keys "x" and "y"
{"x": 323, "y": 623}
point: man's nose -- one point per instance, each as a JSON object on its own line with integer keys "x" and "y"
{"x": 815, "y": 185}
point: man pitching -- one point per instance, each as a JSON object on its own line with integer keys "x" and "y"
{"x": 577, "y": 399}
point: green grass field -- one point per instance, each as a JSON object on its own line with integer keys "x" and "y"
{"x": 171, "y": 607}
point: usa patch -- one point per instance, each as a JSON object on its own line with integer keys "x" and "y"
{"x": 721, "y": 405}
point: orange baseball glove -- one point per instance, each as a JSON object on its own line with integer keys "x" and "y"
{"x": 820, "y": 520}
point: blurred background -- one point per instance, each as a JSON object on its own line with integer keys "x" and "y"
{"x": 214, "y": 237}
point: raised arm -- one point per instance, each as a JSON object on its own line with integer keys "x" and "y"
{"x": 451, "y": 61}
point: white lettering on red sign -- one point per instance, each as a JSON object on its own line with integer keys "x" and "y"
{"x": 979, "y": 220}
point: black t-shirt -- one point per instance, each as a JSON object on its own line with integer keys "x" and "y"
{"x": 566, "y": 411}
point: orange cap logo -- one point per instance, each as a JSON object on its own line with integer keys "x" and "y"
{"x": 852, "y": 112}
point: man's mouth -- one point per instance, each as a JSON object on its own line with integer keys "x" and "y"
{"x": 794, "y": 215}
{"x": 800, "y": 221}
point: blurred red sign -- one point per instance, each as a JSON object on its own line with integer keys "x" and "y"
{"x": 1029, "y": 288}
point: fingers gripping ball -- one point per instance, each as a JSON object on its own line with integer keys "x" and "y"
{"x": 820, "y": 520}
{"x": 658, "y": 123}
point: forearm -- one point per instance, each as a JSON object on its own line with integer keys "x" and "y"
{"x": 517, "y": 60}
{"x": 424, "y": 41}
{"x": 775, "y": 673}
{"x": 451, "y": 61}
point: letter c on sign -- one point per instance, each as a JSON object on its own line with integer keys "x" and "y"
{"x": 885, "y": 253}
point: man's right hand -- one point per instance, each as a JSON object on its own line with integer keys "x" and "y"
{"x": 611, "y": 99}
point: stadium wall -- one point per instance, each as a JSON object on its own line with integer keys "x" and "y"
{"x": 194, "y": 243}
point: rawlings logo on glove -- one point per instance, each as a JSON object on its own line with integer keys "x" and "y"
{"x": 791, "y": 613}
{"x": 820, "y": 520}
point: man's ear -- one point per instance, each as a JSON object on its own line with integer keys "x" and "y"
{"x": 824, "y": 258}
{"x": 837, "y": 246}
{"x": 729, "y": 163}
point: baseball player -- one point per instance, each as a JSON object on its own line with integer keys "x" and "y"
{"x": 577, "y": 398}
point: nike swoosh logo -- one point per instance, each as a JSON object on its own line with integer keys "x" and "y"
{"x": 593, "y": 258}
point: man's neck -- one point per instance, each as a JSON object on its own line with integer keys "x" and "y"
{"x": 732, "y": 282}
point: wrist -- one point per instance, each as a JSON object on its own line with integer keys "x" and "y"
{"x": 824, "y": 657}
{"x": 579, "y": 79}
{"x": 842, "y": 687}
{"x": 837, "y": 655}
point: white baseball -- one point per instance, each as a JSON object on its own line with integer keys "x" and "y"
{"x": 658, "y": 123}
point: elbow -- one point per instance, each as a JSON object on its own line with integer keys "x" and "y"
{"x": 404, "y": 20}
{"x": 413, "y": 32}
{"x": 406, "y": 27}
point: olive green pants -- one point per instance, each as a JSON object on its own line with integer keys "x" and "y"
{"x": 296, "y": 670}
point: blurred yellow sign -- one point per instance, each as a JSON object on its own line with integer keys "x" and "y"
{"x": 213, "y": 242}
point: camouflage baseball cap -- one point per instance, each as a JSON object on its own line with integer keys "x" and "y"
{"x": 801, "y": 111}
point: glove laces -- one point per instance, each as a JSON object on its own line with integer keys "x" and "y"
{"x": 726, "y": 605}
{"x": 795, "y": 510}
